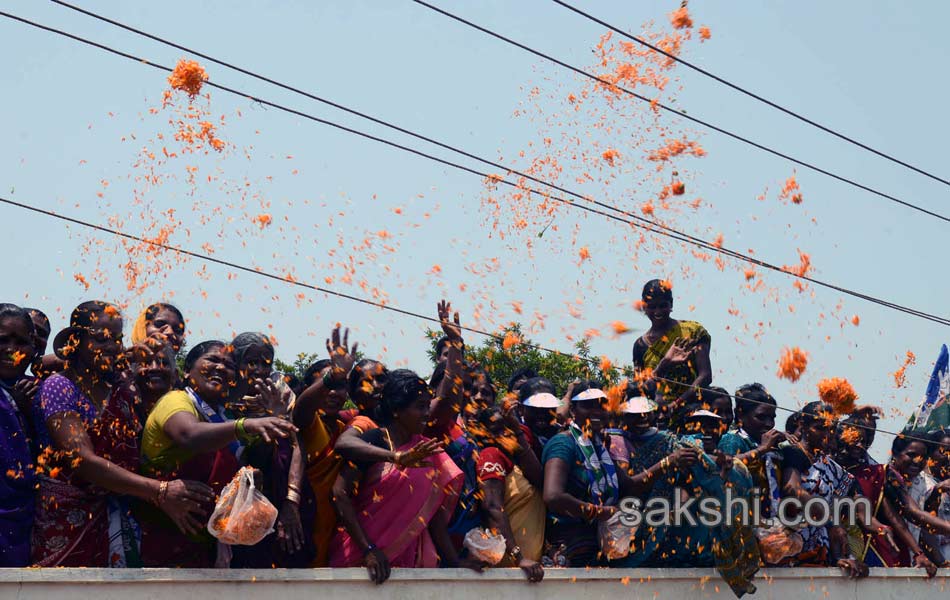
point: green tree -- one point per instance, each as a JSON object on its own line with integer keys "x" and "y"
{"x": 299, "y": 366}
{"x": 561, "y": 369}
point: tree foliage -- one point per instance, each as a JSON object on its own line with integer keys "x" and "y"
{"x": 510, "y": 350}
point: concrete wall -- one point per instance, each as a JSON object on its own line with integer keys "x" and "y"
{"x": 460, "y": 584}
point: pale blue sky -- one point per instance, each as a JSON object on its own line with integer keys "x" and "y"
{"x": 869, "y": 69}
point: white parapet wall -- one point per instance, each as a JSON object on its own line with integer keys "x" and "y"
{"x": 457, "y": 584}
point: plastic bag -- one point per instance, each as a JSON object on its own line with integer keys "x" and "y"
{"x": 485, "y": 546}
{"x": 242, "y": 516}
{"x": 778, "y": 542}
{"x": 615, "y": 537}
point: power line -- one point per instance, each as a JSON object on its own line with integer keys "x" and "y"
{"x": 651, "y": 226}
{"x": 747, "y": 92}
{"x": 684, "y": 115}
{"x": 331, "y": 292}
{"x": 371, "y": 118}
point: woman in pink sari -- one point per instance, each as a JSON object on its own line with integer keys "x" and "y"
{"x": 396, "y": 516}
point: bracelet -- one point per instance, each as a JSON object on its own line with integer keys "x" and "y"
{"x": 293, "y": 487}
{"x": 293, "y": 496}
{"x": 397, "y": 456}
{"x": 369, "y": 549}
{"x": 665, "y": 463}
{"x": 330, "y": 383}
{"x": 162, "y": 493}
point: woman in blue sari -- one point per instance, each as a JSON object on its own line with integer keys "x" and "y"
{"x": 581, "y": 486}
{"x": 16, "y": 461}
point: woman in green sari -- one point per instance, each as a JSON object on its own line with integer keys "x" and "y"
{"x": 659, "y": 464}
{"x": 673, "y": 354}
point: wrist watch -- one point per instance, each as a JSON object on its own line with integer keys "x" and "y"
{"x": 516, "y": 553}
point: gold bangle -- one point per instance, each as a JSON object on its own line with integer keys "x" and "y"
{"x": 162, "y": 493}
{"x": 293, "y": 496}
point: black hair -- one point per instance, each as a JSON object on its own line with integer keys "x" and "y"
{"x": 937, "y": 436}
{"x": 247, "y": 340}
{"x": 87, "y": 314}
{"x": 152, "y": 311}
{"x": 403, "y": 388}
{"x": 353, "y": 379}
{"x": 440, "y": 345}
{"x": 310, "y": 375}
{"x": 481, "y": 372}
{"x": 793, "y": 421}
{"x": 817, "y": 410}
{"x": 645, "y": 388}
{"x": 864, "y": 416}
{"x": 535, "y": 385}
{"x": 40, "y": 314}
{"x": 521, "y": 372}
{"x": 293, "y": 382}
{"x": 751, "y": 395}
{"x": 712, "y": 393}
{"x": 656, "y": 290}
{"x": 12, "y": 311}
{"x": 200, "y": 350}
{"x": 908, "y": 437}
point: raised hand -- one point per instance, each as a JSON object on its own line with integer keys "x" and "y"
{"x": 452, "y": 329}
{"x": 269, "y": 400}
{"x": 342, "y": 356}
{"x": 681, "y": 351}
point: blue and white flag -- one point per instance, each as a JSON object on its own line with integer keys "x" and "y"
{"x": 936, "y": 396}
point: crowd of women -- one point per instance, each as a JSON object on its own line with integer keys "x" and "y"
{"x": 113, "y": 455}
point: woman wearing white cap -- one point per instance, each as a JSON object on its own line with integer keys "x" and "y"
{"x": 581, "y": 485}
{"x": 539, "y": 412}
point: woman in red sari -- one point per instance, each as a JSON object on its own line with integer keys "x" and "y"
{"x": 89, "y": 457}
{"x": 394, "y": 516}
{"x": 892, "y": 545}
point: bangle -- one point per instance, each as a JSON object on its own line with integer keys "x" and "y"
{"x": 293, "y": 496}
{"x": 397, "y": 456}
{"x": 332, "y": 383}
{"x": 239, "y": 430}
{"x": 293, "y": 487}
{"x": 162, "y": 493}
{"x": 369, "y": 549}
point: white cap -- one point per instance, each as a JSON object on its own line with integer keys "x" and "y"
{"x": 703, "y": 413}
{"x": 591, "y": 394}
{"x": 639, "y": 405}
{"x": 542, "y": 400}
